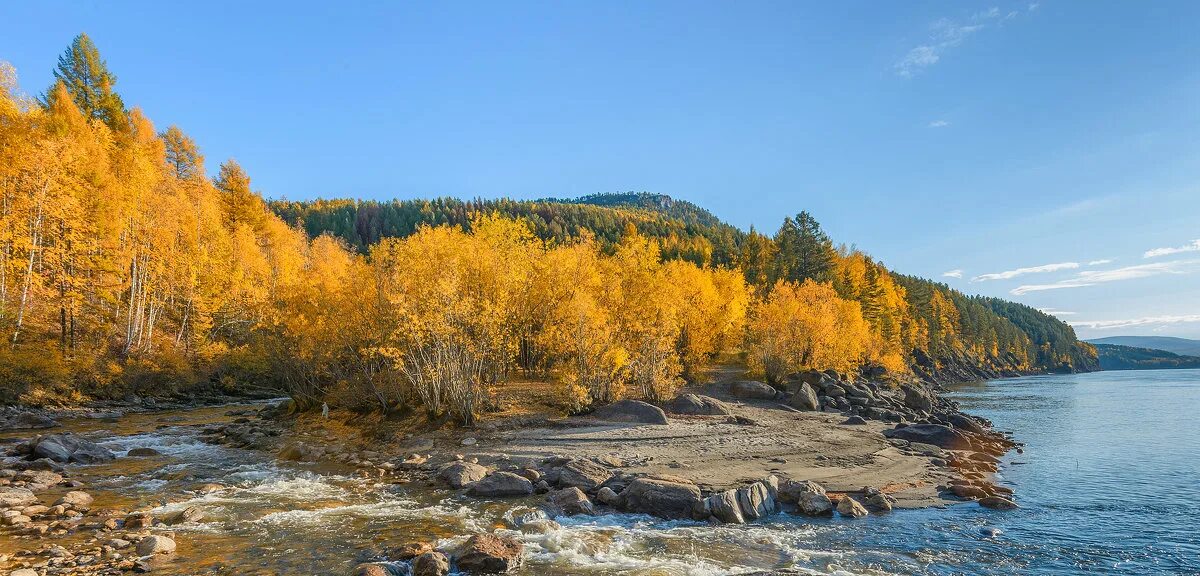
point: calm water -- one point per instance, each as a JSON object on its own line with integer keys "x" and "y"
{"x": 1109, "y": 483}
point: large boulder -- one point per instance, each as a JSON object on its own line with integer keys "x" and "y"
{"x": 814, "y": 504}
{"x": 583, "y": 474}
{"x": 66, "y": 448}
{"x": 501, "y": 484}
{"x": 791, "y": 490}
{"x": 756, "y": 501}
{"x": 698, "y": 405}
{"x": 151, "y": 545}
{"x": 917, "y": 399}
{"x": 27, "y": 421}
{"x": 724, "y": 507}
{"x": 634, "y": 411}
{"x": 12, "y": 497}
{"x": 431, "y": 564}
{"x": 963, "y": 422}
{"x": 76, "y": 499}
{"x": 662, "y": 496}
{"x": 460, "y": 474}
{"x": 935, "y": 434}
{"x": 752, "y": 390}
{"x": 569, "y": 502}
{"x": 489, "y": 554}
{"x": 805, "y": 398}
{"x": 850, "y": 507}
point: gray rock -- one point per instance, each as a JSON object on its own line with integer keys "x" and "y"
{"x": 142, "y": 452}
{"x": 75, "y": 499}
{"x": 151, "y": 545}
{"x": 755, "y": 501}
{"x": 631, "y": 411}
{"x": 501, "y": 484}
{"x": 880, "y": 503}
{"x": 70, "y": 448}
{"x": 935, "y": 434}
{"x": 805, "y": 398}
{"x": 189, "y": 514}
{"x": 489, "y": 554}
{"x": 662, "y": 496}
{"x": 750, "y": 389}
{"x": 570, "y": 501}
{"x": 28, "y": 421}
{"x": 997, "y": 503}
{"x": 850, "y": 507}
{"x": 460, "y": 474}
{"x": 917, "y": 399}
{"x": 791, "y": 490}
{"x": 583, "y": 474}
{"x": 697, "y": 405}
{"x": 724, "y": 506}
{"x": 854, "y": 421}
{"x": 606, "y": 495}
{"x": 814, "y": 504}
{"x": 431, "y": 564}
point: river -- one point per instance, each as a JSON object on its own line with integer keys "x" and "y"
{"x": 1109, "y": 483}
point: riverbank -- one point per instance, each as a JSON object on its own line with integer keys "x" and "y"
{"x": 732, "y": 451}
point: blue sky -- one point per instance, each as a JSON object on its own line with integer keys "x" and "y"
{"x": 1040, "y": 149}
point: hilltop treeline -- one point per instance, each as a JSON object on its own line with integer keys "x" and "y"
{"x": 125, "y": 269}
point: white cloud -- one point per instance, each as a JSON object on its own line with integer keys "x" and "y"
{"x": 1136, "y": 322}
{"x": 1053, "y": 312}
{"x": 943, "y": 35}
{"x": 1033, "y": 6}
{"x": 1093, "y": 277}
{"x": 1193, "y": 247}
{"x": 1007, "y": 274}
{"x": 956, "y": 273}
{"x": 939, "y": 124}
{"x": 1100, "y": 262}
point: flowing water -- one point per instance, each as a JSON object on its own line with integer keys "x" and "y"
{"x": 1109, "y": 483}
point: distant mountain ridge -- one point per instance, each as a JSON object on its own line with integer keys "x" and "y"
{"x": 1180, "y": 346}
{"x": 1117, "y": 357}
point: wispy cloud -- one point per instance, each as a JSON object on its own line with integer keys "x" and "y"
{"x": 1007, "y": 274}
{"x": 1136, "y": 322}
{"x": 1156, "y": 252}
{"x": 1093, "y": 277}
{"x": 1100, "y": 262}
{"x": 939, "y": 124}
{"x": 956, "y": 273}
{"x": 945, "y": 34}
{"x": 1053, "y": 312}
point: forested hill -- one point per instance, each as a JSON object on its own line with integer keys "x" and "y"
{"x": 684, "y": 230}
{"x": 1117, "y": 357}
{"x": 943, "y": 334}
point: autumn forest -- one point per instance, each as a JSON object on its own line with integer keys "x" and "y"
{"x": 126, "y": 269}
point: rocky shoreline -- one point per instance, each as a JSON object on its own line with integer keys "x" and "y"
{"x": 871, "y": 447}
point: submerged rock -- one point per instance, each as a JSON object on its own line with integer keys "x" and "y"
{"x": 489, "y": 554}
{"x": 68, "y": 448}
{"x": 151, "y": 545}
{"x": 634, "y": 411}
{"x": 431, "y": 564}
{"x": 142, "y": 452}
{"x": 28, "y": 421}
{"x": 377, "y": 569}
{"x": 998, "y": 503}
